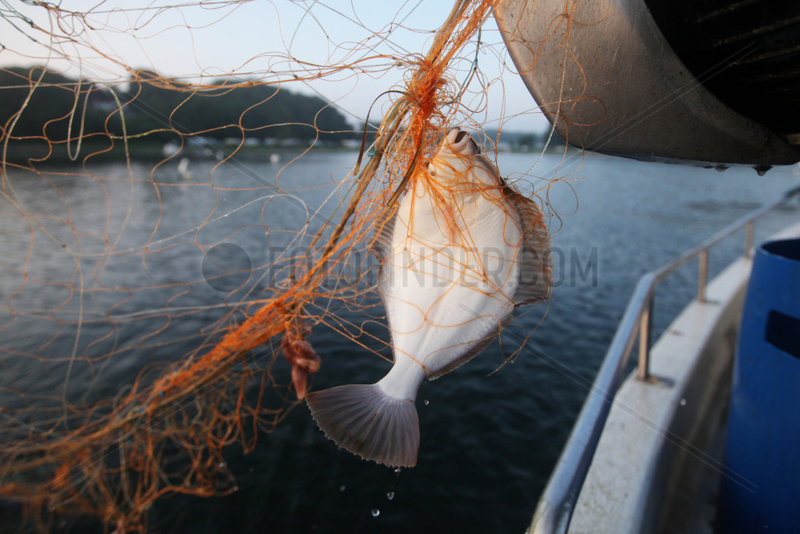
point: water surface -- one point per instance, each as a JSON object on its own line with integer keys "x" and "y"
{"x": 491, "y": 433}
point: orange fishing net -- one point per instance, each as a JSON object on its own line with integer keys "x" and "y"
{"x": 101, "y": 443}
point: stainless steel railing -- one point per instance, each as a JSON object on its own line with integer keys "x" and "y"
{"x": 557, "y": 503}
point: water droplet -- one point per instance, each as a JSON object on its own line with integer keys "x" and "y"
{"x": 762, "y": 169}
{"x": 342, "y": 487}
{"x": 397, "y": 470}
{"x": 236, "y": 488}
{"x": 222, "y": 465}
{"x": 390, "y": 495}
{"x": 683, "y": 402}
{"x": 250, "y": 469}
{"x": 375, "y": 512}
{"x": 427, "y": 402}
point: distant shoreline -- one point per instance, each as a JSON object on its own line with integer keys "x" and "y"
{"x": 103, "y": 151}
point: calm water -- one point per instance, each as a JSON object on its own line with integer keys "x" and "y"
{"x": 489, "y": 439}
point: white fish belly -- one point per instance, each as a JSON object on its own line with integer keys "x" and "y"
{"x": 449, "y": 290}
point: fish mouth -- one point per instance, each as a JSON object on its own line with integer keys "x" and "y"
{"x": 461, "y": 142}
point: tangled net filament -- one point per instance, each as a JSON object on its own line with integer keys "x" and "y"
{"x": 114, "y": 458}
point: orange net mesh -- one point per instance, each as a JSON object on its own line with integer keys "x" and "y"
{"x": 84, "y": 193}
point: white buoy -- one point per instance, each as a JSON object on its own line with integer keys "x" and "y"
{"x": 170, "y": 149}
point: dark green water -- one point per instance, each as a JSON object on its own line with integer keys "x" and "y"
{"x": 489, "y": 439}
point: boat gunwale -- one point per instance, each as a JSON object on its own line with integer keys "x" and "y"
{"x": 558, "y": 501}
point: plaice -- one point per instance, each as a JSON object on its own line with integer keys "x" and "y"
{"x": 461, "y": 252}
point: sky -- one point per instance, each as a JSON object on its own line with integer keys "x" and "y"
{"x": 279, "y": 40}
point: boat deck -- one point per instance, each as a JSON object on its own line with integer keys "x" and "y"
{"x": 658, "y": 462}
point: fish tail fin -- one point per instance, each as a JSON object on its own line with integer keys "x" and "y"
{"x": 364, "y": 420}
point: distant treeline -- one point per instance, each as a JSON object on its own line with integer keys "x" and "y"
{"x": 527, "y": 141}
{"x": 159, "y": 109}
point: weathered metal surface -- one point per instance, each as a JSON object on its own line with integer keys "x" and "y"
{"x": 604, "y": 75}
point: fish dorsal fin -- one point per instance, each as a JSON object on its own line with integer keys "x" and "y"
{"x": 535, "y": 276}
{"x": 467, "y": 356}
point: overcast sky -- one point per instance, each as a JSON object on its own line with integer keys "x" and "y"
{"x": 270, "y": 40}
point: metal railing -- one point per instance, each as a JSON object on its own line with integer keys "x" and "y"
{"x": 557, "y": 503}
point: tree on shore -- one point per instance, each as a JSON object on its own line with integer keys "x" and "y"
{"x": 39, "y": 104}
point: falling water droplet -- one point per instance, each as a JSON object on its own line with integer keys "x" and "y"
{"x": 397, "y": 470}
{"x": 427, "y": 402}
{"x": 762, "y": 169}
{"x": 375, "y": 512}
{"x": 683, "y": 402}
{"x": 236, "y": 488}
{"x": 342, "y": 487}
{"x": 222, "y": 465}
{"x": 390, "y": 495}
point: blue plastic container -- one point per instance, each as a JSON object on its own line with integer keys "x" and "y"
{"x": 760, "y": 489}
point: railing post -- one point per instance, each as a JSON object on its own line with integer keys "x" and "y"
{"x": 557, "y": 503}
{"x": 702, "y": 276}
{"x": 645, "y": 328}
{"x": 748, "y": 239}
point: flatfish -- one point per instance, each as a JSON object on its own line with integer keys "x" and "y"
{"x": 461, "y": 252}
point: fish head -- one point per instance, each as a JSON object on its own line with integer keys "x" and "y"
{"x": 459, "y": 162}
